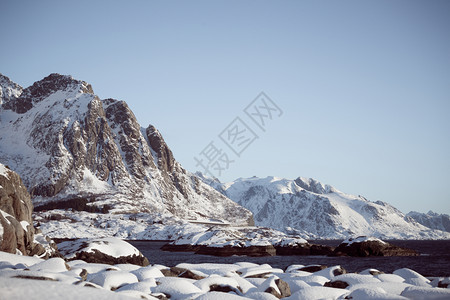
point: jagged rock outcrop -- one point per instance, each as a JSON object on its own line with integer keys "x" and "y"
{"x": 65, "y": 143}
{"x": 17, "y": 234}
{"x": 8, "y": 90}
{"x": 314, "y": 210}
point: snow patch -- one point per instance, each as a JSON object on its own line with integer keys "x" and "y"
{"x": 3, "y": 171}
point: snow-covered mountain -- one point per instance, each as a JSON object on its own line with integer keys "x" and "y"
{"x": 66, "y": 143}
{"x": 315, "y": 210}
{"x": 8, "y": 89}
{"x": 432, "y": 220}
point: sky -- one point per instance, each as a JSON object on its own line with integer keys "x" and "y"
{"x": 358, "y": 91}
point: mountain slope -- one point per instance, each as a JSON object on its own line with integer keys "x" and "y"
{"x": 315, "y": 210}
{"x": 67, "y": 143}
{"x": 432, "y": 220}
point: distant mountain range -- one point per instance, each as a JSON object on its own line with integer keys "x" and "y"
{"x": 314, "y": 210}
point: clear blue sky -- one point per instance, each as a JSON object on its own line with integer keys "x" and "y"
{"x": 364, "y": 85}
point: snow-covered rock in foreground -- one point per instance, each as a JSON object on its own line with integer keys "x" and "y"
{"x": 69, "y": 146}
{"x": 318, "y": 211}
{"x": 33, "y": 278}
{"x": 103, "y": 250}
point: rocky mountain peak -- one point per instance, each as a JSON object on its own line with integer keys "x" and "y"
{"x": 9, "y": 90}
{"x": 65, "y": 142}
{"x": 44, "y": 88}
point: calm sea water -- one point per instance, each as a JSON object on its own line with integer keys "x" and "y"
{"x": 433, "y": 261}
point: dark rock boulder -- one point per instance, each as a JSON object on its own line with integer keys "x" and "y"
{"x": 98, "y": 257}
{"x": 17, "y": 234}
{"x": 181, "y": 272}
{"x": 365, "y": 246}
{"x": 338, "y": 284}
{"x": 313, "y": 268}
{"x": 284, "y": 288}
{"x": 224, "y": 288}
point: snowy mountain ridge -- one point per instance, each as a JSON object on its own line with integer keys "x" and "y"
{"x": 66, "y": 144}
{"x": 317, "y": 211}
{"x": 432, "y": 220}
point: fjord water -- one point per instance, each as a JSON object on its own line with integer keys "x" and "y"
{"x": 434, "y": 259}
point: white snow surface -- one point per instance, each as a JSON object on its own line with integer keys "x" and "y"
{"x": 3, "y": 171}
{"x": 314, "y": 210}
{"x": 111, "y": 246}
{"x": 24, "y": 277}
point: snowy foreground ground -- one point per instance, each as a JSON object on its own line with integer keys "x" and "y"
{"x": 23, "y": 277}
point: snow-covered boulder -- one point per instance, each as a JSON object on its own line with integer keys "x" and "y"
{"x": 104, "y": 250}
{"x": 363, "y": 246}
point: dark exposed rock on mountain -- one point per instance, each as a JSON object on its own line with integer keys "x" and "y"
{"x": 432, "y": 220}
{"x": 65, "y": 143}
{"x": 181, "y": 272}
{"x": 338, "y": 284}
{"x": 364, "y": 246}
{"x": 17, "y": 233}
